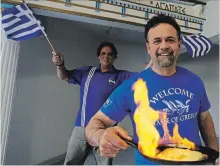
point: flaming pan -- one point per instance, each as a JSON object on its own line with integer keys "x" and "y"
{"x": 211, "y": 154}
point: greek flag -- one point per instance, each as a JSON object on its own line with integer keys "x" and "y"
{"x": 19, "y": 23}
{"x": 197, "y": 45}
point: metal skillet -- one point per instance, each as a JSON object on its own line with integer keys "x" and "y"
{"x": 211, "y": 155}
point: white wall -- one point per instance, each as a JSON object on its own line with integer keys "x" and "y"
{"x": 45, "y": 107}
{"x": 211, "y": 26}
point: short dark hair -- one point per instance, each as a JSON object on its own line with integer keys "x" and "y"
{"x": 161, "y": 18}
{"x": 107, "y": 44}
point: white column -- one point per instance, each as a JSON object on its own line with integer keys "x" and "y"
{"x": 9, "y": 60}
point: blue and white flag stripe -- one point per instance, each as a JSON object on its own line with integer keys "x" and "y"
{"x": 197, "y": 45}
{"x": 19, "y": 23}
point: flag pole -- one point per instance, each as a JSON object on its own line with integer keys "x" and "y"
{"x": 45, "y": 35}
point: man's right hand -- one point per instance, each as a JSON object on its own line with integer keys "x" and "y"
{"x": 58, "y": 59}
{"x": 110, "y": 142}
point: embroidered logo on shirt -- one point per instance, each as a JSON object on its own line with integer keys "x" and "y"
{"x": 111, "y": 81}
{"x": 107, "y": 103}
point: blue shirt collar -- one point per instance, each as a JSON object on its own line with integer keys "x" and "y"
{"x": 112, "y": 69}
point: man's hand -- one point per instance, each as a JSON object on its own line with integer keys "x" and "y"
{"x": 58, "y": 59}
{"x": 110, "y": 142}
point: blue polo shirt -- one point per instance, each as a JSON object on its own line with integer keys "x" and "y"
{"x": 95, "y": 92}
{"x": 182, "y": 96}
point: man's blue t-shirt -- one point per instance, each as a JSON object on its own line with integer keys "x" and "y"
{"x": 182, "y": 96}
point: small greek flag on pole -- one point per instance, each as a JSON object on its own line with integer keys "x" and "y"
{"x": 197, "y": 45}
{"x": 19, "y": 23}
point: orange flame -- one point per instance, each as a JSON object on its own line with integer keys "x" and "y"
{"x": 145, "y": 118}
{"x": 177, "y": 139}
{"x": 166, "y": 135}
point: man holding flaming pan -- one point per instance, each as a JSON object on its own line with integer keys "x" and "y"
{"x": 166, "y": 103}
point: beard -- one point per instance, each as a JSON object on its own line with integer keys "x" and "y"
{"x": 165, "y": 60}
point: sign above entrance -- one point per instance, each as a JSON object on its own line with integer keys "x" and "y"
{"x": 134, "y": 12}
